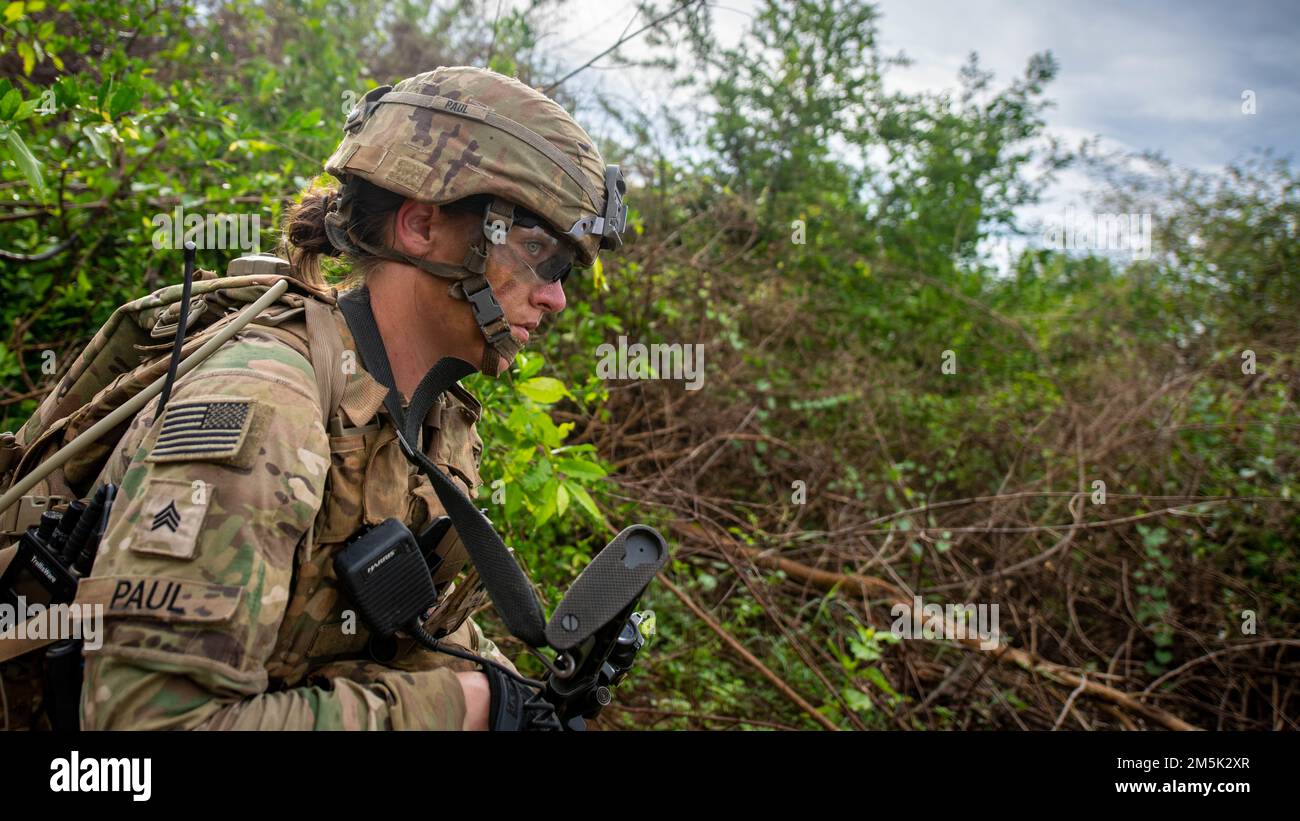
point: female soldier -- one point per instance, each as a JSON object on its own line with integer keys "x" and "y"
{"x": 465, "y": 198}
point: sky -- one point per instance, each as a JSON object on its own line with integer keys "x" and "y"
{"x": 1167, "y": 75}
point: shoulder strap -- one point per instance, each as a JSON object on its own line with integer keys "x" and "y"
{"x": 504, "y": 580}
{"x": 326, "y": 350}
{"x": 130, "y": 407}
{"x": 320, "y": 342}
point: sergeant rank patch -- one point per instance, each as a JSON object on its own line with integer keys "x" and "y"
{"x": 167, "y": 517}
{"x": 202, "y": 430}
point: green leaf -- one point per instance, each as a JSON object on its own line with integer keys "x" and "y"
{"x": 122, "y": 101}
{"x": 96, "y": 137}
{"x": 585, "y": 501}
{"x": 863, "y": 651}
{"x": 561, "y": 498}
{"x": 251, "y": 146}
{"x": 877, "y": 678}
{"x": 266, "y": 85}
{"x": 514, "y": 501}
{"x": 1153, "y": 538}
{"x": 544, "y": 390}
{"x": 580, "y": 469}
{"x": 857, "y": 700}
{"x": 105, "y": 89}
{"x": 29, "y": 57}
{"x": 547, "y": 510}
{"x": 9, "y": 104}
{"x": 27, "y": 163}
{"x": 529, "y": 364}
{"x": 586, "y": 447}
{"x": 14, "y": 11}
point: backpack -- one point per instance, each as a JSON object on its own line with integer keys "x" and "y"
{"x": 128, "y": 353}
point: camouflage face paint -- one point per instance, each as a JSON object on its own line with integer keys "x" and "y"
{"x": 535, "y": 255}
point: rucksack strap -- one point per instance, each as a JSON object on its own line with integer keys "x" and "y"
{"x": 326, "y": 351}
{"x": 132, "y": 406}
{"x": 502, "y": 577}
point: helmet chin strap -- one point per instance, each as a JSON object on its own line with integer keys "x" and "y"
{"x": 470, "y": 279}
{"x": 501, "y": 344}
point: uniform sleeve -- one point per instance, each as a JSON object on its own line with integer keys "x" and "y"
{"x": 469, "y": 636}
{"x": 215, "y": 498}
{"x": 484, "y": 646}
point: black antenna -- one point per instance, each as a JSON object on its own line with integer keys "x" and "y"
{"x": 181, "y": 322}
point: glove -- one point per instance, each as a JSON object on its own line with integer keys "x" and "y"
{"x": 515, "y": 706}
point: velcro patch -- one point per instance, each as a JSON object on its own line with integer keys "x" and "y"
{"x": 202, "y": 429}
{"x": 158, "y": 597}
{"x": 338, "y": 638}
{"x": 408, "y": 173}
{"x": 171, "y": 517}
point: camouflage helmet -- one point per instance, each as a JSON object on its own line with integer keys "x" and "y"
{"x": 457, "y": 132}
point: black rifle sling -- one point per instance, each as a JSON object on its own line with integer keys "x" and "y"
{"x": 502, "y": 577}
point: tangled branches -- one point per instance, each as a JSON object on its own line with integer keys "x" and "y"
{"x": 1142, "y": 576}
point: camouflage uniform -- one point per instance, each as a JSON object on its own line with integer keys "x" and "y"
{"x": 225, "y": 612}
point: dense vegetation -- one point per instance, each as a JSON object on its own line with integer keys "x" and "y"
{"x": 884, "y": 413}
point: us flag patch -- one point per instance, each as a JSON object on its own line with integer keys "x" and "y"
{"x": 202, "y": 430}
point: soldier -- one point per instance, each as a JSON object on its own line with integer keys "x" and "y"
{"x": 464, "y": 199}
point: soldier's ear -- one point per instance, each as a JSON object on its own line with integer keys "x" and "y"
{"x": 419, "y": 228}
{"x": 416, "y": 228}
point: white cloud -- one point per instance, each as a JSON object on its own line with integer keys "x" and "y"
{"x": 1160, "y": 75}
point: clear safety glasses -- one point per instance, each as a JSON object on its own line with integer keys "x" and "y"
{"x": 536, "y": 255}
